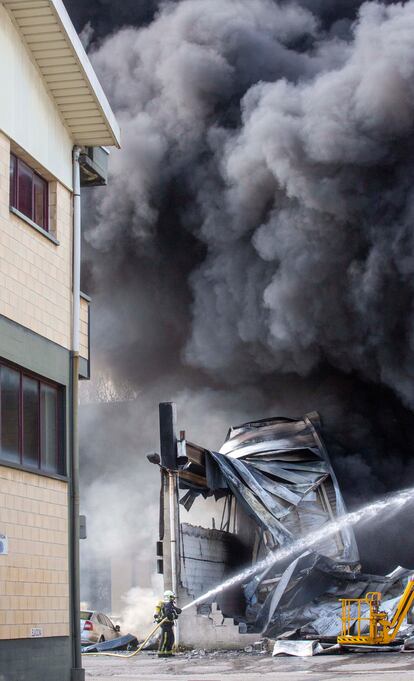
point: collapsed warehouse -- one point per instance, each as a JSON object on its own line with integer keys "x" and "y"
{"x": 271, "y": 483}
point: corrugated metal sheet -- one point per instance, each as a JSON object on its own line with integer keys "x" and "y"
{"x": 291, "y": 456}
{"x": 279, "y": 472}
{"x": 55, "y": 48}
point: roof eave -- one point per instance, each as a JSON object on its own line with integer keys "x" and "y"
{"x": 88, "y": 71}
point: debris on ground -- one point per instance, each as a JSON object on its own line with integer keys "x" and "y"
{"x": 308, "y": 648}
{"x": 127, "y": 642}
{"x": 297, "y": 648}
{"x": 250, "y": 651}
{"x": 409, "y": 643}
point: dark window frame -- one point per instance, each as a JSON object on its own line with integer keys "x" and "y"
{"x": 61, "y": 467}
{"x": 14, "y": 192}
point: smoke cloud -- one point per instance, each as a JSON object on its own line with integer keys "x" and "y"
{"x": 105, "y": 16}
{"x": 285, "y": 175}
{"x": 138, "y": 611}
{"x": 252, "y": 254}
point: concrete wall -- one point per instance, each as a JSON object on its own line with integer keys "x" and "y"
{"x": 28, "y": 114}
{"x": 34, "y": 575}
{"x": 196, "y": 630}
{"x": 205, "y": 558}
{"x": 31, "y": 351}
{"x": 48, "y": 660}
{"x": 211, "y": 631}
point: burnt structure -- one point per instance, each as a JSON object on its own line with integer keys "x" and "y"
{"x": 270, "y": 483}
{"x": 221, "y": 512}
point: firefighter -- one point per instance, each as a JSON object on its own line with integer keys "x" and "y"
{"x": 167, "y": 609}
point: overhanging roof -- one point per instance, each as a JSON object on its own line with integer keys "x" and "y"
{"x": 49, "y": 35}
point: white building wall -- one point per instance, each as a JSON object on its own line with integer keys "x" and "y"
{"x": 28, "y": 114}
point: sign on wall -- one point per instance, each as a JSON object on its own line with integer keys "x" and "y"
{"x": 4, "y": 545}
{"x": 37, "y": 632}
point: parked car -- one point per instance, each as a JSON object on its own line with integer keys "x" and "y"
{"x": 97, "y": 627}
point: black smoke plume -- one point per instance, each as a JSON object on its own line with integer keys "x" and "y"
{"x": 256, "y": 233}
{"x": 106, "y": 16}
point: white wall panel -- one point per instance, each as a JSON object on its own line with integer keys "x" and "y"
{"x": 28, "y": 114}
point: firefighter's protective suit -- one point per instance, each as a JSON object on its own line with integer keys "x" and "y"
{"x": 166, "y": 609}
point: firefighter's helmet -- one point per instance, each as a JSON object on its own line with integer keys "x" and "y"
{"x": 169, "y": 596}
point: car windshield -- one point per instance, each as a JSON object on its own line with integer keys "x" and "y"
{"x": 85, "y": 615}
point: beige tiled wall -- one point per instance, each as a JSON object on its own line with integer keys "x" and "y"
{"x": 34, "y": 578}
{"x": 35, "y": 274}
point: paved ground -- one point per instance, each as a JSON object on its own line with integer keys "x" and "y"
{"x": 254, "y": 667}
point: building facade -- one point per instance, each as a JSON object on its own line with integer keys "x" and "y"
{"x": 53, "y": 112}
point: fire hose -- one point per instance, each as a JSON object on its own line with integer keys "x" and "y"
{"x": 138, "y": 650}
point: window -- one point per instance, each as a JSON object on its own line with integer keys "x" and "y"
{"x": 30, "y": 421}
{"x": 28, "y": 192}
{"x": 49, "y": 426}
{"x": 9, "y": 395}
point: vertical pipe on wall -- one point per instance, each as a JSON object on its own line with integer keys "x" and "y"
{"x": 78, "y": 674}
{"x": 168, "y": 442}
{"x": 173, "y": 540}
{"x": 76, "y": 250}
{"x": 172, "y": 493}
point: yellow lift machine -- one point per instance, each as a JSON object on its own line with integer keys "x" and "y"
{"x": 357, "y": 613}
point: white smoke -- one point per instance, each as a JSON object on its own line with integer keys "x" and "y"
{"x": 139, "y": 606}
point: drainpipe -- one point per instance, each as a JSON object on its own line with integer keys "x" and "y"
{"x": 174, "y": 525}
{"x": 76, "y": 250}
{"x": 168, "y": 444}
{"x": 78, "y": 674}
{"x": 173, "y": 540}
